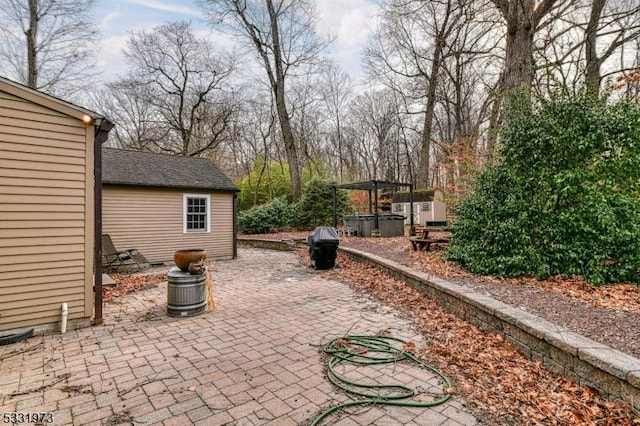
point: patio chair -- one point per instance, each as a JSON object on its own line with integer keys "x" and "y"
{"x": 115, "y": 259}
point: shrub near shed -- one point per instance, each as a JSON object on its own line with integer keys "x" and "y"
{"x": 564, "y": 199}
{"x": 268, "y": 217}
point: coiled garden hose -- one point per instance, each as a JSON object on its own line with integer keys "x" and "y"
{"x": 375, "y": 350}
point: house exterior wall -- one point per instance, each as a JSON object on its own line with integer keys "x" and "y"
{"x": 151, "y": 221}
{"x": 46, "y": 215}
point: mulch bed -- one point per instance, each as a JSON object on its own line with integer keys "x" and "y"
{"x": 607, "y": 314}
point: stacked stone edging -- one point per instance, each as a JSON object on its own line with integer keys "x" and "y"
{"x": 271, "y": 244}
{"x": 614, "y": 373}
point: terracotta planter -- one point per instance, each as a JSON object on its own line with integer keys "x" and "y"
{"x": 183, "y": 258}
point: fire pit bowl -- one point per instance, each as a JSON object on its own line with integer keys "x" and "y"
{"x": 183, "y": 258}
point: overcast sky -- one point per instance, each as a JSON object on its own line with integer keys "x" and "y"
{"x": 349, "y": 21}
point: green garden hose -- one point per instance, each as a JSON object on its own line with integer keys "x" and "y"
{"x": 375, "y": 350}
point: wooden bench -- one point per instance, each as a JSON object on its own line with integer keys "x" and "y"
{"x": 418, "y": 243}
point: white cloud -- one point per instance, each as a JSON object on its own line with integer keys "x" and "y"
{"x": 105, "y": 23}
{"x": 168, "y": 7}
{"x": 110, "y": 59}
{"x": 350, "y": 22}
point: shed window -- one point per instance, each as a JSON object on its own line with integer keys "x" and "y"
{"x": 426, "y": 207}
{"x": 196, "y": 213}
{"x": 397, "y": 207}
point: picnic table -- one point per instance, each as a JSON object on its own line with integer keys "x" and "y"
{"x": 422, "y": 241}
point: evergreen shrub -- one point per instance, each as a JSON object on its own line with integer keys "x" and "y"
{"x": 564, "y": 198}
{"x": 269, "y": 217}
{"x": 316, "y": 206}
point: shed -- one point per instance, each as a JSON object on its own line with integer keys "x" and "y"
{"x": 158, "y": 203}
{"x": 47, "y": 202}
{"x": 428, "y": 206}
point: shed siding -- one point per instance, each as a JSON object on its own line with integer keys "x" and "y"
{"x": 150, "y": 220}
{"x": 439, "y": 207}
{"x": 46, "y": 214}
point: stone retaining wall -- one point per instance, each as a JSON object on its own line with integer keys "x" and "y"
{"x": 283, "y": 245}
{"x": 614, "y": 373}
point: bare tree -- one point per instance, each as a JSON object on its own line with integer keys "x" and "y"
{"x": 183, "y": 83}
{"x": 611, "y": 25}
{"x": 303, "y": 97}
{"x": 408, "y": 51}
{"x": 336, "y": 90}
{"x": 254, "y": 143}
{"x": 124, "y": 105}
{"x": 281, "y": 32}
{"x": 582, "y": 41}
{"x": 373, "y": 131}
{"x": 48, "y": 45}
{"x": 463, "y": 106}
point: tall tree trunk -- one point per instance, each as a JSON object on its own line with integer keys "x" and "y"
{"x": 423, "y": 180}
{"x": 288, "y": 139}
{"x": 592, "y": 75}
{"x": 519, "y": 50}
{"x": 32, "y": 33}
{"x": 522, "y": 18}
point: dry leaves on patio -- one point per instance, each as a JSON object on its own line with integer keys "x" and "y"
{"x": 495, "y": 378}
{"x": 126, "y": 284}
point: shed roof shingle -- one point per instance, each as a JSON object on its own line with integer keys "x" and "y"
{"x": 122, "y": 167}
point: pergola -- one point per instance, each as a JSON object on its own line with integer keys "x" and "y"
{"x": 373, "y": 186}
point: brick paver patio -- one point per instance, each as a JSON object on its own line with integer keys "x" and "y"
{"x": 255, "y": 360}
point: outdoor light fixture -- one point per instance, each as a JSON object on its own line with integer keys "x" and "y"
{"x": 86, "y": 119}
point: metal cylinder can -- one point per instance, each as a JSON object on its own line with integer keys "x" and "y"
{"x": 186, "y": 293}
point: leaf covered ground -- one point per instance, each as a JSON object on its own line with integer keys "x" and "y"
{"x": 129, "y": 283}
{"x": 501, "y": 385}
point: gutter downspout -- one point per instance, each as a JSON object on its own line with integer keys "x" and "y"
{"x": 235, "y": 225}
{"x": 102, "y": 128}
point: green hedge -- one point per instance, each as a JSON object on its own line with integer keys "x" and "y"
{"x": 269, "y": 217}
{"x": 565, "y": 199}
{"x": 315, "y": 209}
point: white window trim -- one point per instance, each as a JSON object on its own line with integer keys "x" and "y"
{"x": 184, "y": 213}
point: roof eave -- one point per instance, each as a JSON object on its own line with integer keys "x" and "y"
{"x": 48, "y": 101}
{"x": 147, "y": 185}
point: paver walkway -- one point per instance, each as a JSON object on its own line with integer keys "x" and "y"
{"x": 255, "y": 360}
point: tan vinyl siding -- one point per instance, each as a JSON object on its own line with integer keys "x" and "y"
{"x": 150, "y": 220}
{"x": 46, "y": 214}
